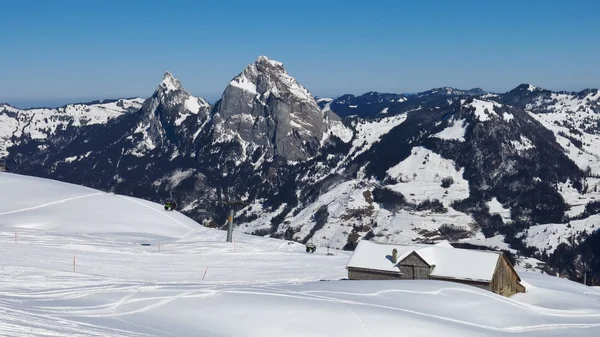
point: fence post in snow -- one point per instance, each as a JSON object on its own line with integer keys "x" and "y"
{"x": 204, "y": 273}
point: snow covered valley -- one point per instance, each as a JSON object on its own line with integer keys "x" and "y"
{"x": 80, "y": 262}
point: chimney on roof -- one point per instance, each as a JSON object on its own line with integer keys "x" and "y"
{"x": 395, "y": 255}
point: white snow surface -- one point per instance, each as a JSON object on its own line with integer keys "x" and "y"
{"x": 338, "y": 129}
{"x": 578, "y": 112}
{"x": 348, "y": 198}
{"x": 196, "y": 284}
{"x": 420, "y": 176}
{"x": 192, "y": 104}
{"x": 549, "y": 236}
{"x": 169, "y": 83}
{"x": 484, "y": 109}
{"x": 497, "y": 208}
{"x": 369, "y": 132}
{"x": 456, "y": 131}
{"x": 508, "y": 116}
{"x": 523, "y": 144}
{"x": 242, "y": 82}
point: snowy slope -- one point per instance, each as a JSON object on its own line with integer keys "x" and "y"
{"x": 456, "y": 131}
{"x": 71, "y": 280}
{"x": 39, "y": 204}
{"x": 42, "y": 123}
{"x": 420, "y": 176}
{"x": 573, "y": 117}
{"x": 588, "y": 155}
{"x": 368, "y": 132}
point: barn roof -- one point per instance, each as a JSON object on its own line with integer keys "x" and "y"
{"x": 447, "y": 262}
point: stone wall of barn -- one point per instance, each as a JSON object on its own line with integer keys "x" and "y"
{"x": 361, "y": 274}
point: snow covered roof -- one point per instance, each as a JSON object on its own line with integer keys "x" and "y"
{"x": 446, "y": 261}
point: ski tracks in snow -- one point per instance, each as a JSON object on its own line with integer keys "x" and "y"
{"x": 155, "y": 210}
{"x": 344, "y": 302}
{"x": 52, "y": 203}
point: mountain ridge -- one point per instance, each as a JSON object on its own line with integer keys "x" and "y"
{"x": 466, "y": 165}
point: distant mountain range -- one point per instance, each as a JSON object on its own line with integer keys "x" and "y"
{"x": 518, "y": 171}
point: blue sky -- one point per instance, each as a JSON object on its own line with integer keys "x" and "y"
{"x": 53, "y": 52}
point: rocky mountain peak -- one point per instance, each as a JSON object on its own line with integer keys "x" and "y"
{"x": 170, "y": 116}
{"x": 268, "y": 109}
{"x": 264, "y": 63}
{"x": 266, "y": 77}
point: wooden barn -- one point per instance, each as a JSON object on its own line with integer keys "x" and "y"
{"x": 488, "y": 270}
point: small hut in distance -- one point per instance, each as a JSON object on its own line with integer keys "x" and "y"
{"x": 488, "y": 270}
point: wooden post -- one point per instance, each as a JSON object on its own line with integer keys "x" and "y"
{"x": 204, "y": 273}
{"x": 73, "y": 263}
{"x": 230, "y": 226}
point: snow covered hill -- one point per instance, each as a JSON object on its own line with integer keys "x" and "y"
{"x": 78, "y": 268}
{"x": 29, "y": 204}
{"x": 42, "y": 123}
{"x": 376, "y": 104}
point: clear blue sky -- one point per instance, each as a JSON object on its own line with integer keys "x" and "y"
{"x": 61, "y": 51}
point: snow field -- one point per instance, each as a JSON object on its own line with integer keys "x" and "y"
{"x": 456, "y": 131}
{"x": 578, "y": 112}
{"x": 421, "y": 174}
{"x": 369, "y": 132}
{"x": 197, "y": 284}
{"x": 484, "y": 109}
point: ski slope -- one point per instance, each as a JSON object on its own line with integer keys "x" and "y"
{"x": 77, "y": 267}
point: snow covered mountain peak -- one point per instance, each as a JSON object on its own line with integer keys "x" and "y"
{"x": 266, "y": 77}
{"x": 169, "y": 118}
{"x": 265, "y": 61}
{"x": 169, "y": 83}
{"x": 170, "y": 92}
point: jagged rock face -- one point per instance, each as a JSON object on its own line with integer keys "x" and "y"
{"x": 267, "y": 109}
{"x": 171, "y": 116}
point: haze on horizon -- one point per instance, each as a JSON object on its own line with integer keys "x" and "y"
{"x": 73, "y": 51}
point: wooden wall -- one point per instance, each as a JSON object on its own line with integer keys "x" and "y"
{"x": 482, "y": 285}
{"x": 414, "y": 268}
{"x": 505, "y": 281}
